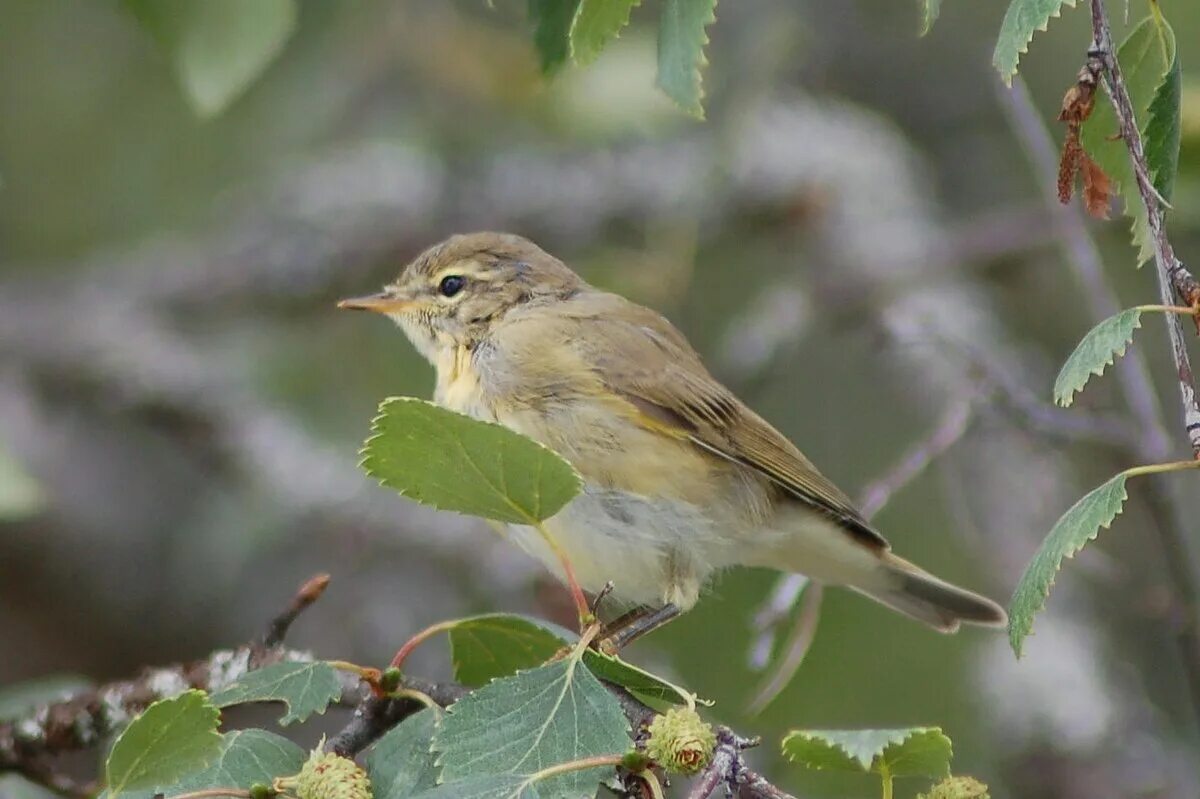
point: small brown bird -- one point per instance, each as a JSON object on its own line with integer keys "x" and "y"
{"x": 680, "y": 478}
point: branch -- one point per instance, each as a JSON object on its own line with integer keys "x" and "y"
{"x": 375, "y": 715}
{"x": 309, "y": 593}
{"x": 28, "y": 744}
{"x": 1172, "y": 275}
{"x": 727, "y": 768}
{"x": 948, "y": 432}
{"x": 1152, "y": 444}
{"x": 84, "y": 720}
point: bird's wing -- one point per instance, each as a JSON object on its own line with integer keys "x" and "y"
{"x": 641, "y": 357}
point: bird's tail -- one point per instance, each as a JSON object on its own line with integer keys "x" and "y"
{"x": 915, "y": 592}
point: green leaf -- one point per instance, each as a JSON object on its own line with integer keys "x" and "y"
{"x": 1070, "y": 533}
{"x": 1016, "y": 31}
{"x": 611, "y": 668}
{"x": 681, "y": 40}
{"x": 305, "y": 688}
{"x": 171, "y": 738}
{"x": 1163, "y": 130}
{"x": 1160, "y": 142}
{"x": 217, "y": 47}
{"x": 596, "y": 23}
{"x": 489, "y": 786}
{"x": 1149, "y": 66}
{"x": 495, "y": 645}
{"x": 552, "y": 21}
{"x": 910, "y": 752}
{"x": 929, "y": 14}
{"x": 401, "y": 763}
{"x": 522, "y": 724}
{"x": 1098, "y": 350}
{"x": 442, "y": 458}
{"x": 20, "y": 698}
{"x": 245, "y": 757}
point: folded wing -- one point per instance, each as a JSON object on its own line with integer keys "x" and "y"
{"x": 642, "y": 358}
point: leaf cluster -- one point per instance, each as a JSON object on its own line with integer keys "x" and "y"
{"x": 1096, "y": 146}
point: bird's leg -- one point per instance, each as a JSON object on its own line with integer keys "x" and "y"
{"x": 600, "y": 597}
{"x": 586, "y": 618}
{"x": 624, "y": 620}
{"x": 644, "y": 620}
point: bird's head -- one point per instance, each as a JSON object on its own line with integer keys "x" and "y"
{"x": 452, "y": 294}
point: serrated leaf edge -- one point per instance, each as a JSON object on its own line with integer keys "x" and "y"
{"x": 815, "y": 735}
{"x": 571, "y": 49}
{"x": 1023, "y": 49}
{"x": 697, "y": 71}
{"x": 207, "y": 705}
{"x": 940, "y": 732}
{"x": 290, "y": 714}
{"x": 1018, "y": 645}
{"x": 381, "y": 414}
{"x": 1065, "y": 400}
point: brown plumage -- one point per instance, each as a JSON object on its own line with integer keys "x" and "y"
{"x": 681, "y": 478}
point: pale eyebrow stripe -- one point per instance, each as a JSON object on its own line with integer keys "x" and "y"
{"x": 464, "y": 268}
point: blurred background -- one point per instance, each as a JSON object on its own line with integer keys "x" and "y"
{"x": 856, "y": 239}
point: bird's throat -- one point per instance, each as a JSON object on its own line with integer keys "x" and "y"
{"x": 458, "y": 383}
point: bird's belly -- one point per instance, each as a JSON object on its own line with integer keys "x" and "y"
{"x": 656, "y": 515}
{"x": 654, "y": 550}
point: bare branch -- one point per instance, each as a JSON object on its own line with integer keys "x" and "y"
{"x": 309, "y": 593}
{"x": 948, "y": 432}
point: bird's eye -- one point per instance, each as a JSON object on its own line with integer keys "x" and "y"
{"x": 451, "y": 285}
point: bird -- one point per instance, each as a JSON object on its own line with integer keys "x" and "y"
{"x": 680, "y": 478}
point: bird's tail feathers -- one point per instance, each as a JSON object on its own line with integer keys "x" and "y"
{"x": 916, "y": 593}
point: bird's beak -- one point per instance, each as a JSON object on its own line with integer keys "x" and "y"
{"x": 383, "y": 302}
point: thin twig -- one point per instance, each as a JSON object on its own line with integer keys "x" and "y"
{"x": 1174, "y": 280}
{"x": 375, "y": 715}
{"x": 1153, "y": 443}
{"x": 309, "y": 593}
{"x": 1083, "y": 257}
{"x": 755, "y": 786}
{"x": 794, "y": 650}
{"x": 727, "y": 768}
{"x": 1038, "y": 416}
{"x": 948, "y": 432}
{"x": 789, "y": 588}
